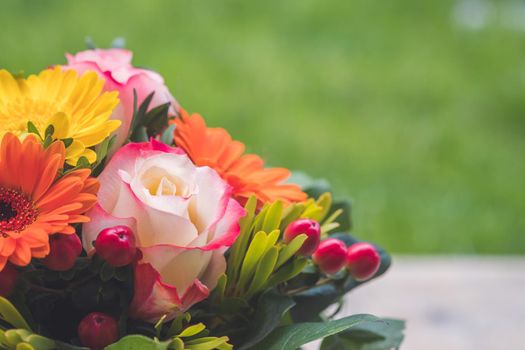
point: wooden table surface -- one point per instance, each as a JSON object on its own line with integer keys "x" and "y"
{"x": 450, "y": 302}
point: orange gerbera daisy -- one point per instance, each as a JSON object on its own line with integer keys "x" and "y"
{"x": 34, "y": 201}
{"x": 246, "y": 173}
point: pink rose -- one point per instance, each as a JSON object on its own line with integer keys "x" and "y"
{"x": 114, "y": 65}
{"x": 183, "y": 217}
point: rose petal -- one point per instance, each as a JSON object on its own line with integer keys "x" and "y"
{"x": 152, "y": 298}
{"x": 210, "y": 205}
{"x": 153, "y": 226}
{"x": 178, "y": 266}
{"x": 216, "y": 267}
{"x": 105, "y": 60}
{"x": 124, "y": 160}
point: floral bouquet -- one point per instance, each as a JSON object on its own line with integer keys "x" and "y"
{"x": 128, "y": 223}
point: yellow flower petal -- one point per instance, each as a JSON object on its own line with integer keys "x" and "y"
{"x": 75, "y": 150}
{"x": 75, "y": 106}
{"x": 90, "y": 155}
{"x": 61, "y": 123}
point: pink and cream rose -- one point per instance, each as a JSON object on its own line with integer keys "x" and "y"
{"x": 184, "y": 218}
{"x": 114, "y": 66}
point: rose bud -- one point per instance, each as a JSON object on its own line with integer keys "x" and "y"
{"x": 7, "y": 280}
{"x": 116, "y": 245}
{"x": 330, "y": 256}
{"x": 98, "y": 330}
{"x": 363, "y": 261}
{"x": 64, "y": 251}
{"x": 311, "y": 228}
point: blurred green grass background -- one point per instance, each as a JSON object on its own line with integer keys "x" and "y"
{"x": 415, "y": 109}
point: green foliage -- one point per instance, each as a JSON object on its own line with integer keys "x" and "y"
{"x": 315, "y": 299}
{"x": 149, "y": 122}
{"x": 139, "y": 342}
{"x": 102, "y": 152}
{"x": 259, "y": 259}
{"x": 10, "y": 315}
{"x": 384, "y": 335}
{"x": 295, "y": 335}
{"x": 32, "y": 129}
{"x": 271, "y": 307}
{"x": 24, "y": 339}
{"x": 15, "y": 333}
{"x": 178, "y": 334}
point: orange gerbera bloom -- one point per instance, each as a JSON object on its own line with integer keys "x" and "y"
{"x": 215, "y": 148}
{"x": 34, "y": 201}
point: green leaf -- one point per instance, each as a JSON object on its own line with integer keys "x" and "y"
{"x": 48, "y": 141}
{"x": 67, "y": 142}
{"x": 345, "y": 219}
{"x": 254, "y": 253}
{"x": 40, "y": 343}
{"x": 331, "y": 223}
{"x": 104, "y": 147}
{"x": 291, "y": 213}
{"x": 178, "y": 323}
{"x": 238, "y": 250}
{"x": 272, "y": 219}
{"x": 26, "y": 346}
{"x": 264, "y": 270}
{"x": 259, "y": 219}
{"x": 325, "y": 202}
{"x": 270, "y": 309}
{"x": 156, "y": 119}
{"x": 139, "y": 112}
{"x": 33, "y": 129}
{"x": 192, "y": 330}
{"x": 273, "y": 236}
{"x": 290, "y": 249}
{"x": 231, "y": 306}
{"x": 140, "y": 134}
{"x": 208, "y": 343}
{"x": 296, "y": 335}
{"x": 385, "y": 334}
{"x": 10, "y": 314}
{"x": 287, "y": 272}
{"x": 138, "y": 342}
{"x": 82, "y": 162}
{"x": 50, "y": 130}
{"x": 168, "y": 134}
{"x": 177, "y": 344}
{"x": 218, "y": 292}
{"x": 25, "y": 339}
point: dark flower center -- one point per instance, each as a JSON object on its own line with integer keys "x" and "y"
{"x": 7, "y": 211}
{"x": 16, "y": 211}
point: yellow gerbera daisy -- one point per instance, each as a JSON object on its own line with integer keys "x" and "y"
{"x": 75, "y": 106}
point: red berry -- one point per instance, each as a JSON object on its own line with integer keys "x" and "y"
{"x": 116, "y": 245}
{"x": 309, "y": 227}
{"x": 330, "y": 256}
{"x": 64, "y": 251}
{"x": 97, "y": 330}
{"x": 363, "y": 261}
{"x": 7, "y": 280}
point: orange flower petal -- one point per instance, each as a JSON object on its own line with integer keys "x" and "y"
{"x": 44, "y": 205}
{"x": 246, "y": 173}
